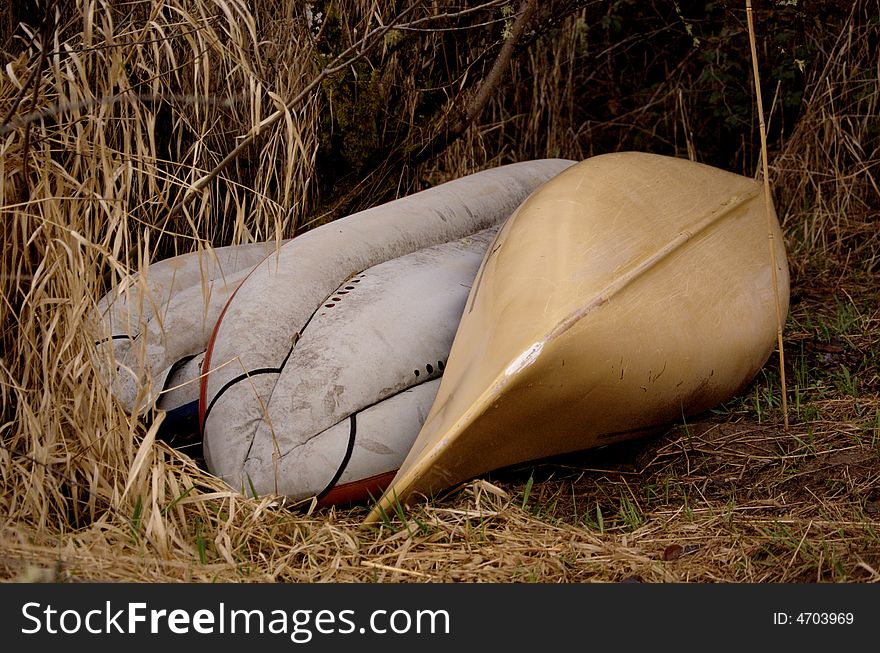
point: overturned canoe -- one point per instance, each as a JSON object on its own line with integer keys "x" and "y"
{"x": 360, "y": 380}
{"x": 259, "y": 429}
{"x": 158, "y": 321}
{"x": 627, "y": 292}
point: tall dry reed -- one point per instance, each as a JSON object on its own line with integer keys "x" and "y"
{"x": 124, "y": 108}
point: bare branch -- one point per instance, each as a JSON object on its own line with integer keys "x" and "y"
{"x": 445, "y": 138}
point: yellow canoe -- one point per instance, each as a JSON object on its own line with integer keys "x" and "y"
{"x": 626, "y": 292}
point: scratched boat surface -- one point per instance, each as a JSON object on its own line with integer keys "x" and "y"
{"x": 358, "y": 383}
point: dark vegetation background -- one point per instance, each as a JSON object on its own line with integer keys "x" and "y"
{"x": 671, "y": 77}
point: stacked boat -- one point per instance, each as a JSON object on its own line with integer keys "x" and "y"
{"x": 513, "y": 314}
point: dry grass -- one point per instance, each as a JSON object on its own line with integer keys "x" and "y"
{"x": 127, "y": 107}
{"x": 826, "y": 174}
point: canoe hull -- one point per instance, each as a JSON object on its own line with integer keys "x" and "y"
{"x": 164, "y": 316}
{"x": 356, "y": 387}
{"x": 629, "y": 291}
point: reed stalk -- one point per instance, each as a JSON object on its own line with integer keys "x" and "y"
{"x": 768, "y": 202}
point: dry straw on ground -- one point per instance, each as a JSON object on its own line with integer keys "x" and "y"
{"x": 110, "y": 114}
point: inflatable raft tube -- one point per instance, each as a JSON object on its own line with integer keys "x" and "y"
{"x": 247, "y": 419}
{"x": 627, "y": 292}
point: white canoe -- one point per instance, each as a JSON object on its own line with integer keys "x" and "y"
{"x": 356, "y": 387}
{"x": 627, "y": 292}
{"x": 154, "y": 320}
{"x": 358, "y": 383}
{"x": 253, "y": 429}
